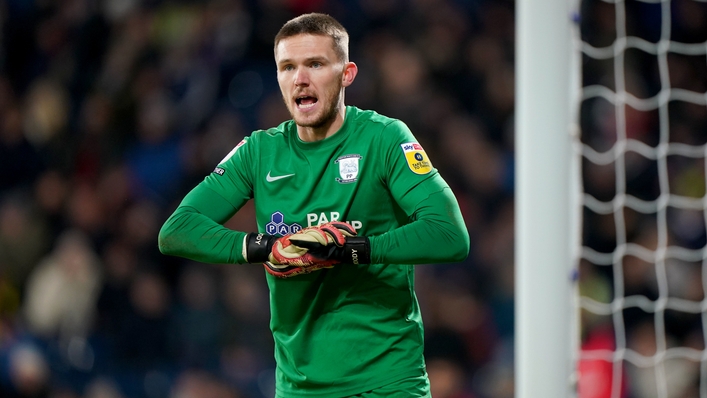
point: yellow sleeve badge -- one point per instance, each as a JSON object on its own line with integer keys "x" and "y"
{"x": 416, "y": 157}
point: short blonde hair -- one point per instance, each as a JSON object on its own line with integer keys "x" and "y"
{"x": 317, "y": 24}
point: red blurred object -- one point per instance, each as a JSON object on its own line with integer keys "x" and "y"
{"x": 596, "y": 376}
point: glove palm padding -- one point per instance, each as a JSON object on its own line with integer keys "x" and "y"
{"x": 287, "y": 260}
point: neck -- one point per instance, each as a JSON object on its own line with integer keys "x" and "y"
{"x": 327, "y": 129}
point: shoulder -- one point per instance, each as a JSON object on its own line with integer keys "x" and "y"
{"x": 283, "y": 130}
{"x": 376, "y": 126}
{"x": 371, "y": 119}
{"x": 249, "y": 145}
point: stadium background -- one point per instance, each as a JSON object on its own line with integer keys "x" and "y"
{"x": 110, "y": 111}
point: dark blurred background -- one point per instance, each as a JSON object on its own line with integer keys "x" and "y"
{"x": 110, "y": 111}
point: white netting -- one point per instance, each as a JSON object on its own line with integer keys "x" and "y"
{"x": 643, "y": 145}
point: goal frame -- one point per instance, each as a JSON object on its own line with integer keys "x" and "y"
{"x": 546, "y": 190}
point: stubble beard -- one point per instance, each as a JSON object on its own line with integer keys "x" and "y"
{"x": 326, "y": 117}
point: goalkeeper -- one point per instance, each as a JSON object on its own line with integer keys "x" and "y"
{"x": 346, "y": 202}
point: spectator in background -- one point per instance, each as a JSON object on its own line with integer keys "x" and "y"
{"x": 60, "y": 300}
{"x": 143, "y": 339}
{"x": 29, "y": 374}
{"x": 20, "y": 161}
{"x": 24, "y": 238}
{"x": 197, "y": 319}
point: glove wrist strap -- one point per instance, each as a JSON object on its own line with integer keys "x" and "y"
{"x": 258, "y": 247}
{"x": 356, "y": 250}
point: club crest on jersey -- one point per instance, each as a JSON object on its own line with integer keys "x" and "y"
{"x": 416, "y": 157}
{"x": 348, "y": 168}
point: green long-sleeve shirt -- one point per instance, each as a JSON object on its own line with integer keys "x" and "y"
{"x": 351, "y": 328}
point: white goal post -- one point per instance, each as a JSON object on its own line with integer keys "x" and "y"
{"x": 545, "y": 75}
{"x": 611, "y": 199}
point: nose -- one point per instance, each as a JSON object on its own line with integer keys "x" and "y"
{"x": 301, "y": 77}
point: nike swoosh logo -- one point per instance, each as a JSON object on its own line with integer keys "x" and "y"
{"x": 270, "y": 178}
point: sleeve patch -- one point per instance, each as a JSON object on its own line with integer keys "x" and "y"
{"x": 416, "y": 158}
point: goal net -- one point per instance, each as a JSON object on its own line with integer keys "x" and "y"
{"x": 642, "y": 142}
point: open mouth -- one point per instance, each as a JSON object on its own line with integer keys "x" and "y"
{"x": 305, "y": 102}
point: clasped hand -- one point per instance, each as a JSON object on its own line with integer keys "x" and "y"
{"x": 309, "y": 249}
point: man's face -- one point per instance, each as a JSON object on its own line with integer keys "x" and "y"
{"x": 310, "y": 77}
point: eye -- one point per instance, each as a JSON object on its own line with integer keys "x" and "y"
{"x": 316, "y": 65}
{"x": 288, "y": 68}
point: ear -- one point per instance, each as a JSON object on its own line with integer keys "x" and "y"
{"x": 350, "y": 72}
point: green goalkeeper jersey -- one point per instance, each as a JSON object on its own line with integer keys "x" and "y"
{"x": 351, "y": 328}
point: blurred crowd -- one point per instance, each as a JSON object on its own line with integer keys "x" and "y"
{"x": 110, "y": 111}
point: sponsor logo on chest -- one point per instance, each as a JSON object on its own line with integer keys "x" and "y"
{"x": 314, "y": 219}
{"x": 278, "y": 226}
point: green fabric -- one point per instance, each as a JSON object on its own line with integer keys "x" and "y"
{"x": 348, "y": 329}
{"x": 411, "y": 387}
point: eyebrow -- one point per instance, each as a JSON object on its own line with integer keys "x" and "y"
{"x": 308, "y": 59}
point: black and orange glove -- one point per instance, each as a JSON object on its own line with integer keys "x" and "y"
{"x": 280, "y": 257}
{"x": 335, "y": 242}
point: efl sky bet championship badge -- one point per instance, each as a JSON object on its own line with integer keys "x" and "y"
{"x": 417, "y": 158}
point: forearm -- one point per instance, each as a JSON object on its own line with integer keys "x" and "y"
{"x": 190, "y": 234}
{"x": 195, "y": 230}
{"x": 437, "y": 234}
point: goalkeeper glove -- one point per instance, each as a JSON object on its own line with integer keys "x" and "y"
{"x": 288, "y": 271}
{"x": 279, "y": 256}
{"x": 334, "y": 241}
